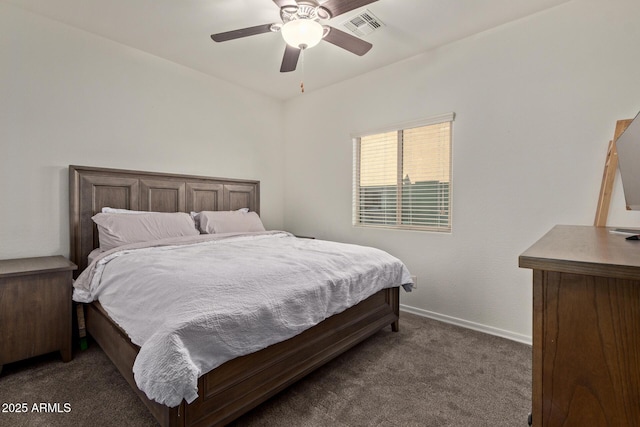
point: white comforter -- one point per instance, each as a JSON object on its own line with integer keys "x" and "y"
{"x": 191, "y": 304}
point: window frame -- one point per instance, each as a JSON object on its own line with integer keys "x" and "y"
{"x": 356, "y": 138}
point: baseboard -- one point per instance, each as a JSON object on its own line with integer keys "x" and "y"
{"x": 467, "y": 324}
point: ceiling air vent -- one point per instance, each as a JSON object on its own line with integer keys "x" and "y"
{"x": 363, "y": 24}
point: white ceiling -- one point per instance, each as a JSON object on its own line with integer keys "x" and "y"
{"x": 179, "y": 31}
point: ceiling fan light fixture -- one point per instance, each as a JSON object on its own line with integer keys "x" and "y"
{"x": 323, "y": 13}
{"x": 302, "y": 33}
{"x": 290, "y": 9}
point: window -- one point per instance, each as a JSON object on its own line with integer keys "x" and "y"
{"x": 402, "y": 177}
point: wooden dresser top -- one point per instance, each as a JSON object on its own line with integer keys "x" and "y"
{"x": 588, "y": 250}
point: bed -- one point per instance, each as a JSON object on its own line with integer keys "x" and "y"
{"x": 240, "y": 384}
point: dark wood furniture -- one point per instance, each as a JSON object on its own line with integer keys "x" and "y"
{"x": 586, "y": 328}
{"x": 240, "y": 384}
{"x": 35, "y": 307}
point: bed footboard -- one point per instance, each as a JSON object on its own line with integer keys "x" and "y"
{"x": 241, "y": 384}
{"x": 122, "y": 352}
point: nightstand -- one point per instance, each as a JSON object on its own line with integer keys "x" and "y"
{"x": 35, "y": 307}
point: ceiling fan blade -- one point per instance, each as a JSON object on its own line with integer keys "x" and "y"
{"x": 283, "y": 3}
{"x": 338, "y": 7}
{"x": 243, "y": 32}
{"x": 348, "y": 42}
{"x": 290, "y": 59}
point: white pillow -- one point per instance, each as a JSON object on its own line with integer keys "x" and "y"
{"x": 125, "y": 211}
{"x": 215, "y": 222}
{"x": 116, "y": 229}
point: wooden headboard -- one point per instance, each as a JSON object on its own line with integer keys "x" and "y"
{"x": 91, "y": 189}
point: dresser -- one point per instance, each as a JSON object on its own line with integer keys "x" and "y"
{"x": 586, "y": 328}
{"x": 35, "y": 307}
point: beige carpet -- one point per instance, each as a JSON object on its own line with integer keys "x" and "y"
{"x": 428, "y": 374}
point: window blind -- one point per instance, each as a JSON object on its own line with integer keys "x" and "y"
{"x": 402, "y": 178}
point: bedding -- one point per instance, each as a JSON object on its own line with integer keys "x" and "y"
{"x": 107, "y": 209}
{"x": 93, "y": 255}
{"x": 118, "y": 229}
{"x": 240, "y": 221}
{"x": 192, "y": 303}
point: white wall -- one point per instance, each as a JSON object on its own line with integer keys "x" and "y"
{"x": 536, "y": 103}
{"x": 70, "y": 97}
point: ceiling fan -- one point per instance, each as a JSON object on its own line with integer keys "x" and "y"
{"x": 301, "y": 28}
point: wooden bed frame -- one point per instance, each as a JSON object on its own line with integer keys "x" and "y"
{"x": 240, "y": 384}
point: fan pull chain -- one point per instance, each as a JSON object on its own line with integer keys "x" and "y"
{"x": 302, "y": 66}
